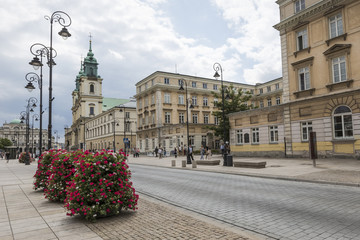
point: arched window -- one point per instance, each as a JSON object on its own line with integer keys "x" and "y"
{"x": 92, "y": 88}
{"x": 342, "y": 120}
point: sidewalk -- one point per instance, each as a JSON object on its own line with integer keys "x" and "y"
{"x": 331, "y": 171}
{"x": 26, "y": 214}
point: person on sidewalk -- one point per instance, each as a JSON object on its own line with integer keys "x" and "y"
{"x": 156, "y": 151}
{"x": 7, "y": 157}
{"x": 160, "y": 153}
{"x": 222, "y": 149}
{"x": 208, "y": 153}
{"x": 175, "y": 152}
{"x": 202, "y": 152}
{"x": 191, "y": 153}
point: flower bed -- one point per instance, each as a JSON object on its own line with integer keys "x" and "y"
{"x": 101, "y": 186}
{"x": 43, "y": 171}
{"x": 60, "y": 175}
{"x": 22, "y": 157}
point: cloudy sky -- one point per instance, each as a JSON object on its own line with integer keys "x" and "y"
{"x": 132, "y": 39}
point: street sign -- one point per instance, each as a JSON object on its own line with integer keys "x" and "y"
{"x": 125, "y": 140}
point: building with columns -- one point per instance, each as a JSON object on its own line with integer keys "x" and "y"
{"x": 321, "y": 85}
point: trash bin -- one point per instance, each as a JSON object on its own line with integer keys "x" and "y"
{"x": 229, "y": 161}
{"x": 225, "y": 160}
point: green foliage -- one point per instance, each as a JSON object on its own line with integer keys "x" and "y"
{"x": 4, "y": 142}
{"x": 235, "y": 101}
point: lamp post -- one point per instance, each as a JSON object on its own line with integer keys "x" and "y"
{"x": 217, "y": 67}
{"x": 25, "y": 115}
{"x": 124, "y": 112}
{"x": 32, "y": 132}
{"x": 188, "y": 160}
{"x": 64, "y": 20}
{"x": 33, "y": 77}
{"x": 114, "y": 127}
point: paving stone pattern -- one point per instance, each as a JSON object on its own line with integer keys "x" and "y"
{"x": 155, "y": 221}
{"x": 275, "y": 208}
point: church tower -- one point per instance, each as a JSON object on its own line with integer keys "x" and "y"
{"x": 87, "y": 98}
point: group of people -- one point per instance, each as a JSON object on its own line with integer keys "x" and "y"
{"x": 179, "y": 150}
{"x": 5, "y": 156}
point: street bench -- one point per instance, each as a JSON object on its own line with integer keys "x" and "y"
{"x": 250, "y": 164}
{"x": 208, "y": 162}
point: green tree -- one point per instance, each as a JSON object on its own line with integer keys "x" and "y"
{"x": 4, "y": 142}
{"x": 235, "y": 101}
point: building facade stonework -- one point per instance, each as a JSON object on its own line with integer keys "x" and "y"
{"x": 162, "y": 115}
{"x": 321, "y": 85}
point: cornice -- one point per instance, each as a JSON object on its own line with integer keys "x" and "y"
{"x": 304, "y": 15}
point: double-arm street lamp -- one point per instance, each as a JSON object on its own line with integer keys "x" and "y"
{"x": 33, "y": 77}
{"x": 25, "y": 116}
{"x": 64, "y": 20}
{"x": 125, "y": 140}
{"x": 188, "y": 160}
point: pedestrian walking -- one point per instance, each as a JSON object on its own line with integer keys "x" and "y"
{"x": 156, "y": 151}
{"x": 160, "y": 153}
{"x": 191, "y": 153}
{"x": 7, "y": 157}
{"x": 208, "y": 153}
{"x": 202, "y": 152}
{"x": 175, "y": 152}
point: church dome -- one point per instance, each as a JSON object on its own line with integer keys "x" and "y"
{"x": 15, "y": 121}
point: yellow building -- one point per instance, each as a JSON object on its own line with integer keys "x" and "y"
{"x": 161, "y": 109}
{"x": 319, "y": 42}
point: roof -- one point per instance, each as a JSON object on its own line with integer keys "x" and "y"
{"x": 112, "y": 102}
{"x": 15, "y": 121}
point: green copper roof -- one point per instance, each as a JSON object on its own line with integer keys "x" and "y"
{"x": 90, "y": 56}
{"x": 15, "y": 121}
{"x": 112, "y": 102}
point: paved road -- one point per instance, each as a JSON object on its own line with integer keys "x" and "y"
{"x": 274, "y": 208}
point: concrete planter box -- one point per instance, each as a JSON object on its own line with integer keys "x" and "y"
{"x": 208, "y": 162}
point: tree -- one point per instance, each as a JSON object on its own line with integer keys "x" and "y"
{"x": 4, "y": 142}
{"x": 235, "y": 101}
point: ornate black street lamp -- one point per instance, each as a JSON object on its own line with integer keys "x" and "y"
{"x": 217, "y": 67}
{"x": 115, "y": 123}
{"x": 64, "y": 20}
{"x": 25, "y": 116}
{"x": 188, "y": 160}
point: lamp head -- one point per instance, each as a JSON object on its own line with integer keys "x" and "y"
{"x": 30, "y": 86}
{"x": 216, "y": 75}
{"x": 35, "y": 62}
{"x": 64, "y": 33}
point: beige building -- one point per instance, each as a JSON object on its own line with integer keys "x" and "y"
{"x": 161, "y": 109}
{"x": 319, "y": 42}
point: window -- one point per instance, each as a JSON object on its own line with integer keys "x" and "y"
{"x": 261, "y": 91}
{"x": 166, "y": 80}
{"x": 146, "y": 101}
{"x": 167, "y": 98}
{"x": 92, "y": 88}
{"x": 92, "y": 111}
{"x": 181, "y": 82}
{"x": 216, "y": 100}
{"x": 261, "y": 104}
{"x": 194, "y": 100}
{"x": 204, "y": 85}
{"x": 274, "y": 134}
{"x": 268, "y": 88}
{"x": 216, "y": 120}
{"x": 278, "y": 100}
{"x": 215, "y": 87}
{"x": 192, "y": 140}
{"x": 127, "y": 114}
{"x": 195, "y": 118}
{"x": 181, "y": 99}
{"x": 306, "y": 128}
{"x": 277, "y": 86}
{"x": 153, "y": 118}
{"x": 299, "y": 5}
{"x": 304, "y": 78}
{"x": 167, "y": 117}
{"x": 339, "y": 69}
{"x": 203, "y": 140}
{"x": 206, "y": 118}
{"x": 269, "y": 102}
{"x": 146, "y": 86}
{"x": 336, "y": 25}
{"x": 239, "y": 137}
{"x": 193, "y": 84}
{"x": 153, "y": 99}
{"x": 255, "y": 135}
{"x": 181, "y": 118}
{"x": 342, "y": 122}
{"x": 205, "y": 101}
{"x": 140, "y": 104}
{"x": 302, "y": 39}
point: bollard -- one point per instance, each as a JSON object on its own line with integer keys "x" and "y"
{"x": 173, "y": 163}
{"x": 193, "y": 164}
{"x": 183, "y": 163}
